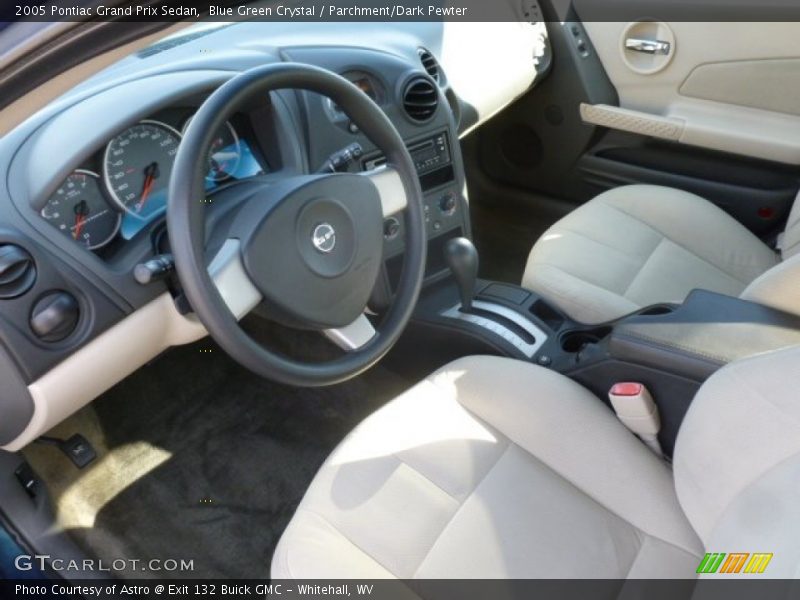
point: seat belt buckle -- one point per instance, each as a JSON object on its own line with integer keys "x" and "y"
{"x": 636, "y": 410}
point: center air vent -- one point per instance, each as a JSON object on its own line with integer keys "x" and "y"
{"x": 430, "y": 64}
{"x": 420, "y": 99}
{"x": 17, "y": 271}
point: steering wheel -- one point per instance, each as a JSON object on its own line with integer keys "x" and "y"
{"x": 308, "y": 246}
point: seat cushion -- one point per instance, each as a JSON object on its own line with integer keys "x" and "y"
{"x": 737, "y": 460}
{"x": 639, "y": 245}
{"x": 490, "y": 468}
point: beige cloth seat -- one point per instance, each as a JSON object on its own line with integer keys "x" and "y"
{"x": 490, "y": 468}
{"x": 639, "y": 245}
{"x": 494, "y": 468}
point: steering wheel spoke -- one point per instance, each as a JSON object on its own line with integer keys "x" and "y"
{"x": 390, "y": 188}
{"x": 234, "y": 285}
{"x": 354, "y": 336}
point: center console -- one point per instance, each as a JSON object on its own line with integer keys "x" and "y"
{"x": 671, "y": 349}
{"x": 446, "y": 215}
{"x": 702, "y": 335}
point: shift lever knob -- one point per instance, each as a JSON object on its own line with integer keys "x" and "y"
{"x": 462, "y": 258}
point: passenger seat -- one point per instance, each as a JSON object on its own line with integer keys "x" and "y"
{"x": 639, "y": 245}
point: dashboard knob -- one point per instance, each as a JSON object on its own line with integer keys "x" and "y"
{"x": 391, "y": 227}
{"x": 448, "y": 203}
{"x": 54, "y": 316}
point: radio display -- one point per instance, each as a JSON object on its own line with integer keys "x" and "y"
{"x": 424, "y": 154}
{"x": 431, "y": 154}
{"x": 431, "y": 158}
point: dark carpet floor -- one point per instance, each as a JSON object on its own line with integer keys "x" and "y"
{"x": 506, "y": 220}
{"x": 504, "y": 239}
{"x": 243, "y": 451}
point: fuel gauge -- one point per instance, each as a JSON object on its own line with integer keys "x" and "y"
{"x": 224, "y": 155}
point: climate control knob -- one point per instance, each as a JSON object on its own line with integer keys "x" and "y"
{"x": 448, "y": 203}
{"x": 391, "y": 227}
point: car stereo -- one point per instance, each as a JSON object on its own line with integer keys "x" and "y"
{"x": 431, "y": 158}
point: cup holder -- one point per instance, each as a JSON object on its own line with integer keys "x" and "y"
{"x": 658, "y": 310}
{"x": 575, "y": 341}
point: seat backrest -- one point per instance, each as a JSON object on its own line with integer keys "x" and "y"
{"x": 737, "y": 460}
{"x": 791, "y": 235}
{"x": 780, "y": 286}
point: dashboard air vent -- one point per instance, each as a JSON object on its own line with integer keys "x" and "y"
{"x": 17, "y": 271}
{"x": 430, "y": 64}
{"x": 420, "y": 99}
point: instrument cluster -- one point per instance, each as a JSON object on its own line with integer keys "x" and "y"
{"x": 125, "y": 187}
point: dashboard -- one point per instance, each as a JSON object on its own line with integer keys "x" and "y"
{"x": 85, "y": 181}
{"x": 113, "y": 196}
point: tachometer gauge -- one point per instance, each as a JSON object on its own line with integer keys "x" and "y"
{"x": 137, "y": 167}
{"x": 79, "y": 209}
{"x": 225, "y": 153}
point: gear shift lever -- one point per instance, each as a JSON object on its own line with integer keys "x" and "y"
{"x": 462, "y": 258}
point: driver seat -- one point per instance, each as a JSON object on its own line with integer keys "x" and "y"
{"x": 495, "y": 468}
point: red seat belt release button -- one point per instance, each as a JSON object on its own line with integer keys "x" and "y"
{"x": 626, "y": 389}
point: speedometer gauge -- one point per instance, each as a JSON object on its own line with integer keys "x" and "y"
{"x": 224, "y": 155}
{"x": 137, "y": 167}
{"x": 80, "y": 210}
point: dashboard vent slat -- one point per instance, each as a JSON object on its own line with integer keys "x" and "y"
{"x": 430, "y": 64}
{"x": 430, "y": 104}
{"x": 17, "y": 271}
{"x": 420, "y": 99}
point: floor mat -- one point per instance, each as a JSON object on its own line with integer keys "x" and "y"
{"x": 201, "y": 460}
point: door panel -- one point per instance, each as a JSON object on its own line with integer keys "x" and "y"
{"x": 734, "y": 86}
{"x": 771, "y": 84}
{"x": 717, "y": 115}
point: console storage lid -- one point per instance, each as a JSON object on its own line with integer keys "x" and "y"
{"x": 705, "y": 333}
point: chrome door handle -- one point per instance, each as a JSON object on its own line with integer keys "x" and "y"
{"x": 648, "y": 46}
